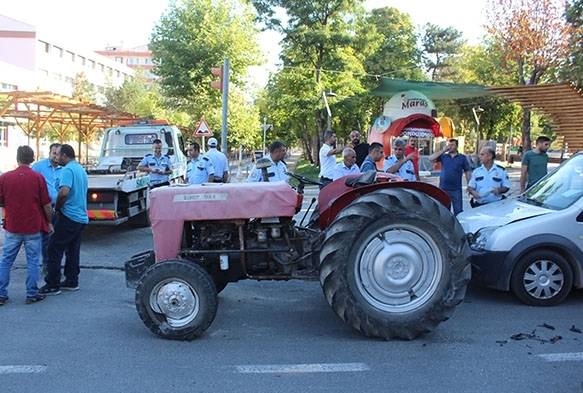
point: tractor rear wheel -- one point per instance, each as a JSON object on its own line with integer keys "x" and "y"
{"x": 176, "y": 300}
{"x": 394, "y": 264}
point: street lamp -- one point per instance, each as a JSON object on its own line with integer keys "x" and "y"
{"x": 324, "y": 95}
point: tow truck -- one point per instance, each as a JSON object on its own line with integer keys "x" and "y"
{"x": 117, "y": 191}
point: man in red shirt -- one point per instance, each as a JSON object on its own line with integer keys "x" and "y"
{"x": 413, "y": 148}
{"x": 26, "y": 201}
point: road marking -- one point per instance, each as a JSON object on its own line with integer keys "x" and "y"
{"x": 303, "y": 368}
{"x": 22, "y": 369}
{"x": 562, "y": 357}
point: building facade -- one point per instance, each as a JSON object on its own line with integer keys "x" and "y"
{"x": 32, "y": 63}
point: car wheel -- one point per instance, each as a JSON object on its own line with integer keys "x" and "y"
{"x": 542, "y": 278}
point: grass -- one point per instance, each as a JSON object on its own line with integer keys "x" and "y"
{"x": 304, "y": 168}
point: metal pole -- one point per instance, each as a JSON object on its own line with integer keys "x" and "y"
{"x": 264, "y": 131}
{"x": 328, "y": 110}
{"x": 225, "y": 105}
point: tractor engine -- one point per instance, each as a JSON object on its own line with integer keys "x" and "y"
{"x": 262, "y": 248}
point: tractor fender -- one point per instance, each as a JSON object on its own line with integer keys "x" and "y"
{"x": 336, "y": 196}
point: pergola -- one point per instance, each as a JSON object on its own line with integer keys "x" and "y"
{"x": 32, "y": 111}
{"x": 561, "y": 103}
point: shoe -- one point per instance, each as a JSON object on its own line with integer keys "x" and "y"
{"x": 35, "y": 299}
{"x": 3, "y": 300}
{"x": 49, "y": 291}
{"x": 65, "y": 286}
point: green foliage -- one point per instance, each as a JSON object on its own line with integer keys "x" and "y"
{"x": 195, "y": 36}
{"x": 82, "y": 89}
{"x": 572, "y": 69}
{"x": 440, "y": 45}
{"x": 305, "y": 168}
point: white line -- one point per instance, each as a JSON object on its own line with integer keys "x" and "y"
{"x": 22, "y": 369}
{"x": 303, "y": 368}
{"x": 562, "y": 357}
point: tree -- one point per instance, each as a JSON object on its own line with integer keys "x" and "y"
{"x": 192, "y": 37}
{"x": 82, "y": 89}
{"x": 440, "y": 45}
{"x": 128, "y": 96}
{"x": 573, "y": 69}
{"x": 532, "y": 37}
{"x": 322, "y": 51}
{"x": 396, "y": 54}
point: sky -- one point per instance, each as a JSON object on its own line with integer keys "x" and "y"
{"x": 93, "y": 25}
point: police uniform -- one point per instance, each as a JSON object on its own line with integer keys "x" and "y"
{"x": 406, "y": 171}
{"x": 163, "y": 163}
{"x": 275, "y": 172}
{"x": 483, "y": 181}
{"x": 198, "y": 170}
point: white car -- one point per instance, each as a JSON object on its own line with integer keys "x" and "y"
{"x": 532, "y": 244}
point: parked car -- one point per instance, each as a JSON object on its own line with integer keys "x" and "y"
{"x": 514, "y": 153}
{"x": 557, "y": 155}
{"x": 532, "y": 245}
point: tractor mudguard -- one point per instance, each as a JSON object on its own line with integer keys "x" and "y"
{"x": 337, "y": 195}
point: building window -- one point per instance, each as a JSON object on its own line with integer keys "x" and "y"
{"x": 117, "y": 74}
{"x": 101, "y": 67}
{"x": 8, "y": 87}
{"x": 119, "y": 60}
{"x": 58, "y": 52}
{"x": 46, "y": 46}
{"x": 71, "y": 56}
{"x": 81, "y": 60}
{"x": 92, "y": 64}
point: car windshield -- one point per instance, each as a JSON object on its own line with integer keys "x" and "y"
{"x": 560, "y": 188}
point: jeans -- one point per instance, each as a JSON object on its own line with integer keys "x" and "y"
{"x": 456, "y": 200}
{"x": 45, "y": 247}
{"x": 66, "y": 239}
{"x": 12, "y": 244}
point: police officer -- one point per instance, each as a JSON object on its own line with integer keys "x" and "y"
{"x": 489, "y": 181}
{"x": 278, "y": 168}
{"x": 157, "y": 165}
{"x": 398, "y": 163}
{"x": 199, "y": 168}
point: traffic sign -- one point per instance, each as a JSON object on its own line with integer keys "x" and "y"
{"x": 203, "y": 129}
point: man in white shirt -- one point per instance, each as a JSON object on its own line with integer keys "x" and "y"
{"x": 398, "y": 163}
{"x": 348, "y": 165}
{"x": 219, "y": 160}
{"x": 277, "y": 170}
{"x": 327, "y": 157}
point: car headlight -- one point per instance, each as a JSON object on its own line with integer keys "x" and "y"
{"x": 480, "y": 239}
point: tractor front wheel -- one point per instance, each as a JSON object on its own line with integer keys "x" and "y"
{"x": 176, "y": 300}
{"x": 394, "y": 264}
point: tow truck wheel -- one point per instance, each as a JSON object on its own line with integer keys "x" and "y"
{"x": 394, "y": 264}
{"x": 176, "y": 300}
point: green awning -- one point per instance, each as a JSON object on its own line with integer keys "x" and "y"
{"x": 433, "y": 90}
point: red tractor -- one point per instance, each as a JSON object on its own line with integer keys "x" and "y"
{"x": 392, "y": 259}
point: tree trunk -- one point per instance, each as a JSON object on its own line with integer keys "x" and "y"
{"x": 525, "y": 129}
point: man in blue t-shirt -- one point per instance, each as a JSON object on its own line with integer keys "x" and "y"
{"x": 71, "y": 210}
{"x": 51, "y": 171}
{"x": 453, "y": 165}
